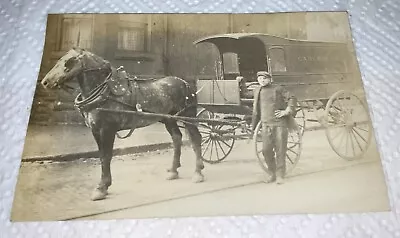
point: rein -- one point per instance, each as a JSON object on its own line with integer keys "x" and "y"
{"x": 93, "y": 95}
{"x": 96, "y": 96}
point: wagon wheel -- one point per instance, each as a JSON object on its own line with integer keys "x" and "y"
{"x": 293, "y": 152}
{"x": 300, "y": 118}
{"x": 217, "y": 140}
{"x": 348, "y": 126}
{"x": 204, "y": 113}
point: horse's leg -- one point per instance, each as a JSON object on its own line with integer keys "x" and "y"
{"x": 105, "y": 141}
{"x": 176, "y": 135}
{"x": 195, "y": 139}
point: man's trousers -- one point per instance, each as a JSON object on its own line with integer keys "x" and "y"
{"x": 274, "y": 148}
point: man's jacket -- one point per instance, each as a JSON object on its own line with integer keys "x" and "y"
{"x": 270, "y": 98}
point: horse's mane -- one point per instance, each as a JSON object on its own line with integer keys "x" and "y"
{"x": 97, "y": 59}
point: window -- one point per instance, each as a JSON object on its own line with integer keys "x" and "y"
{"x": 76, "y": 30}
{"x": 133, "y": 33}
{"x": 231, "y": 63}
{"x": 132, "y": 37}
{"x": 278, "y": 62}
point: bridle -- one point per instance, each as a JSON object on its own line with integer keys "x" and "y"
{"x": 82, "y": 102}
{"x": 97, "y": 95}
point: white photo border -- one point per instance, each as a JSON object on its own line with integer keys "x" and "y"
{"x": 376, "y": 29}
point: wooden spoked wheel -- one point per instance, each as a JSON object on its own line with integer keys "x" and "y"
{"x": 300, "y": 118}
{"x": 204, "y": 113}
{"x": 293, "y": 152}
{"x": 217, "y": 140}
{"x": 348, "y": 126}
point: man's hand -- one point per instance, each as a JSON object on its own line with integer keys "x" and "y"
{"x": 281, "y": 113}
{"x": 251, "y": 135}
{"x": 239, "y": 78}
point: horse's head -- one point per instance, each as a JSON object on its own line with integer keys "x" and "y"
{"x": 66, "y": 68}
{"x": 73, "y": 63}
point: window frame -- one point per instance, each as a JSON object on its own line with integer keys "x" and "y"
{"x": 235, "y": 58}
{"x": 139, "y": 26}
{"x": 132, "y": 54}
{"x": 60, "y": 36}
{"x": 272, "y": 48}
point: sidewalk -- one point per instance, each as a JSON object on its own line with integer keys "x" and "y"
{"x": 69, "y": 142}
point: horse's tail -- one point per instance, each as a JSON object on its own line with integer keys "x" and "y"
{"x": 190, "y": 105}
{"x": 191, "y": 99}
{"x": 190, "y": 94}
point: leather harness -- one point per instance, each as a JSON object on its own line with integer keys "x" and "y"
{"x": 100, "y": 94}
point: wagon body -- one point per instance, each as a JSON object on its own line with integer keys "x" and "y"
{"x": 310, "y": 70}
{"x": 315, "y": 72}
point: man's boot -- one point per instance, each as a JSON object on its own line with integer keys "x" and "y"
{"x": 271, "y": 177}
{"x": 280, "y": 177}
{"x": 280, "y": 180}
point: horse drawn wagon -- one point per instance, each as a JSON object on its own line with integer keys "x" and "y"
{"x": 320, "y": 74}
{"x": 316, "y": 72}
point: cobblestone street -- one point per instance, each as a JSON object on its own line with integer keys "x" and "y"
{"x": 61, "y": 190}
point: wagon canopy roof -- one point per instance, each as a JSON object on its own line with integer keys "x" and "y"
{"x": 230, "y": 38}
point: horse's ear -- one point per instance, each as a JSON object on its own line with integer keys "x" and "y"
{"x": 79, "y": 50}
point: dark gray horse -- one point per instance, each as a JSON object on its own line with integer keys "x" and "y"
{"x": 103, "y": 86}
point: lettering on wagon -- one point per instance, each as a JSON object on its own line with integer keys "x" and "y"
{"x": 312, "y": 58}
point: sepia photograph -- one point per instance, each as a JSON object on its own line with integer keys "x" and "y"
{"x": 197, "y": 115}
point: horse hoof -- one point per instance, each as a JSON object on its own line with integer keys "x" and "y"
{"x": 198, "y": 178}
{"x": 98, "y": 195}
{"x": 172, "y": 176}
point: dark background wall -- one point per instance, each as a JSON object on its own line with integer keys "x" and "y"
{"x": 168, "y": 45}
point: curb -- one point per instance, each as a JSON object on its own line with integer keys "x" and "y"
{"x": 94, "y": 154}
{"x": 117, "y": 151}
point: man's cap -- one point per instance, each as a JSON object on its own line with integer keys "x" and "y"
{"x": 263, "y": 73}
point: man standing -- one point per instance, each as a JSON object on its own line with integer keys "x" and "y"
{"x": 274, "y": 106}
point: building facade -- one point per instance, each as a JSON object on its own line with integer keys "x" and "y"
{"x": 161, "y": 44}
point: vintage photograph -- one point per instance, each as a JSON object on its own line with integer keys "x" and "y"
{"x": 188, "y": 115}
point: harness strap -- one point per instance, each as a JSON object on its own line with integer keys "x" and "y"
{"x": 97, "y": 96}
{"x": 134, "y": 90}
{"x": 94, "y": 96}
{"x": 127, "y": 135}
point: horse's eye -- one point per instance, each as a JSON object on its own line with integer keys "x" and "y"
{"x": 69, "y": 63}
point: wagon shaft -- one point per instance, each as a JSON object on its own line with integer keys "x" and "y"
{"x": 178, "y": 118}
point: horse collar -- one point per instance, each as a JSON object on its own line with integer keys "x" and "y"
{"x": 95, "y": 97}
